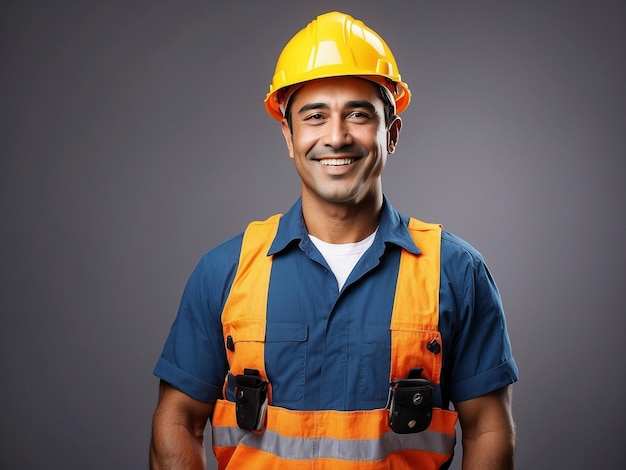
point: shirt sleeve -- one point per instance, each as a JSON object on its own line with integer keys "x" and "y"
{"x": 193, "y": 359}
{"x": 479, "y": 356}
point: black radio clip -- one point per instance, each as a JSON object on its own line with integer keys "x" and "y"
{"x": 251, "y": 399}
{"x": 410, "y": 403}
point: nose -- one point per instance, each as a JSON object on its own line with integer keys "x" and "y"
{"x": 337, "y": 133}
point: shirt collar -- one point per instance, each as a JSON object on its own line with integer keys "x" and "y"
{"x": 392, "y": 229}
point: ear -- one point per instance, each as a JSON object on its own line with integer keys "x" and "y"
{"x": 393, "y": 133}
{"x": 284, "y": 126}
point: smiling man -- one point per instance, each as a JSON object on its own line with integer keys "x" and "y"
{"x": 339, "y": 139}
{"x": 341, "y": 334}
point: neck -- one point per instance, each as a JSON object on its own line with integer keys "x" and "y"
{"x": 341, "y": 223}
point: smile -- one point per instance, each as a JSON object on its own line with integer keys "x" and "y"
{"x": 337, "y": 161}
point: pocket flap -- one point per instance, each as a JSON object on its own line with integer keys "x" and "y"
{"x": 286, "y": 332}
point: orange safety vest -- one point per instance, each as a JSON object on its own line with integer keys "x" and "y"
{"x": 329, "y": 439}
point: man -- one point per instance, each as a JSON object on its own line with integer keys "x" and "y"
{"x": 337, "y": 335}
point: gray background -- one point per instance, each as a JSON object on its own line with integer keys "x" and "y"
{"x": 133, "y": 138}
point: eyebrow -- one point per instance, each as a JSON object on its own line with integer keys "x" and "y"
{"x": 354, "y": 104}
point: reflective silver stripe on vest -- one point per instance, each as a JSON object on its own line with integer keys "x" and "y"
{"x": 341, "y": 449}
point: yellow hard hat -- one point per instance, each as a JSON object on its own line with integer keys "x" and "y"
{"x": 334, "y": 45}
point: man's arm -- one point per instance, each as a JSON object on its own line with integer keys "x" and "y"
{"x": 178, "y": 431}
{"x": 488, "y": 431}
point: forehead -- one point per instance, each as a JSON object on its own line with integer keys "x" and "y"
{"x": 338, "y": 89}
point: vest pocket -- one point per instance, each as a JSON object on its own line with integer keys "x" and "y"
{"x": 418, "y": 348}
{"x": 286, "y": 346}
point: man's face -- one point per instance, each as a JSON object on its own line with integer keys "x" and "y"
{"x": 339, "y": 141}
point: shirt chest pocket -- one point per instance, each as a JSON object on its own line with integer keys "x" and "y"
{"x": 375, "y": 360}
{"x": 285, "y": 359}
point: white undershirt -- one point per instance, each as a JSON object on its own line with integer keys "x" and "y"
{"x": 343, "y": 257}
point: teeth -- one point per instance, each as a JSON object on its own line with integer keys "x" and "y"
{"x": 337, "y": 161}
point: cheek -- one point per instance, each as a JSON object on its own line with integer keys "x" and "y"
{"x": 377, "y": 145}
{"x": 303, "y": 142}
{"x": 375, "y": 138}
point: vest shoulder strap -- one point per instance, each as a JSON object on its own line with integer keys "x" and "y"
{"x": 415, "y": 337}
{"x": 243, "y": 316}
{"x": 417, "y": 288}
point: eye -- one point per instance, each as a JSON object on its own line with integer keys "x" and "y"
{"x": 359, "y": 116}
{"x": 315, "y": 118}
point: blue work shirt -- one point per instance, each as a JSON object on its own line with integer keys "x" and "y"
{"x": 331, "y": 349}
